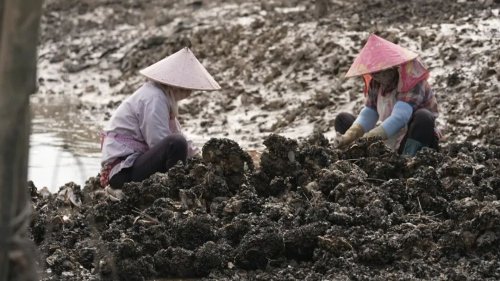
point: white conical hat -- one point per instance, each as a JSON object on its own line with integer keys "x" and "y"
{"x": 182, "y": 70}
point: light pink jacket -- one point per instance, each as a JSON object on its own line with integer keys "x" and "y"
{"x": 145, "y": 117}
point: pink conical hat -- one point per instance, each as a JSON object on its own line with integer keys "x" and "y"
{"x": 182, "y": 70}
{"x": 377, "y": 55}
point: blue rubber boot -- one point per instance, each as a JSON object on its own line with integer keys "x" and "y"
{"x": 412, "y": 147}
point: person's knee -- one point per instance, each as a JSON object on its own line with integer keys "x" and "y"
{"x": 118, "y": 180}
{"x": 343, "y": 116}
{"x": 423, "y": 118}
{"x": 114, "y": 183}
{"x": 343, "y": 122}
{"x": 177, "y": 140}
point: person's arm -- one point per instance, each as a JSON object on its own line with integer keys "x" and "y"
{"x": 400, "y": 116}
{"x": 367, "y": 118}
{"x": 403, "y": 110}
{"x": 154, "y": 118}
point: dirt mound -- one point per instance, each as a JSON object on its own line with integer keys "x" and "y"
{"x": 310, "y": 212}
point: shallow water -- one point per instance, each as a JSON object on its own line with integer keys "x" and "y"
{"x": 64, "y": 146}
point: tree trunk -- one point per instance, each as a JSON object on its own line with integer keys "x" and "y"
{"x": 19, "y": 25}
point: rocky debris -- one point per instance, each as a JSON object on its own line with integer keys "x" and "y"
{"x": 226, "y": 160}
{"x": 435, "y": 216}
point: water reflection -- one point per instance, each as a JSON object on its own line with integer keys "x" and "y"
{"x": 64, "y": 145}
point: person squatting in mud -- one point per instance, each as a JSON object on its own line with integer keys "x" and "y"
{"x": 397, "y": 94}
{"x": 143, "y": 136}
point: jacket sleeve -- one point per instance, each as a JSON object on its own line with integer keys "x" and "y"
{"x": 367, "y": 118}
{"x": 153, "y": 115}
{"x": 400, "y": 116}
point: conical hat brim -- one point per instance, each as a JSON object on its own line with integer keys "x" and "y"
{"x": 182, "y": 70}
{"x": 378, "y": 55}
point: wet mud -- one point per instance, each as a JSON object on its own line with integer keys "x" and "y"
{"x": 322, "y": 214}
{"x": 281, "y": 65}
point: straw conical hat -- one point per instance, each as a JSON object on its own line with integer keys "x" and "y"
{"x": 377, "y": 55}
{"x": 182, "y": 70}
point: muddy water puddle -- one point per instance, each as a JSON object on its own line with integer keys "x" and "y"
{"x": 64, "y": 145}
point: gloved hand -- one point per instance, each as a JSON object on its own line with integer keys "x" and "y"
{"x": 377, "y": 132}
{"x": 354, "y": 133}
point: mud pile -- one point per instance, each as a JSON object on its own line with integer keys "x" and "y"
{"x": 309, "y": 212}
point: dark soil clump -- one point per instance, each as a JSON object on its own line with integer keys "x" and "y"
{"x": 303, "y": 213}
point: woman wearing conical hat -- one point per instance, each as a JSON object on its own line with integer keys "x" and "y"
{"x": 144, "y": 136}
{"x": 397, "y": 94}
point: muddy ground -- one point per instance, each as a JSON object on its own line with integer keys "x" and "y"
{"x": 281, "y": 68}
{"x": 308, "y": 211}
